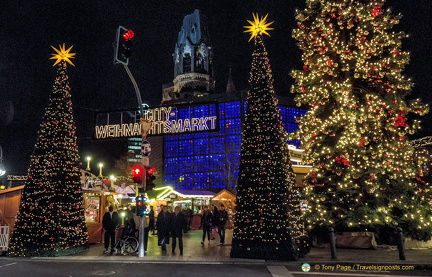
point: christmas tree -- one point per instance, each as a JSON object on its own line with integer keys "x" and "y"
{"x": 268, "y": 217}
{"x": 355, "y": 130}
{"x": 50, "y": 220}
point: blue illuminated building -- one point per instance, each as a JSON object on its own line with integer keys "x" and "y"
{"x": 210, "y": 160}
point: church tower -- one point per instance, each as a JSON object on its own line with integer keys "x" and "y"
{"x": 193, "y": 62}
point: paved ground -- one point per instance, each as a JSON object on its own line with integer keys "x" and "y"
{"x": 212, "y": 252}
{"x": 213, "y": 259}
{"x": 193, "y": 251}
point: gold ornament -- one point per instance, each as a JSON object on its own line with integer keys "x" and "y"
{"x": 258, "y": 26}
{"x": 62, "y": 54}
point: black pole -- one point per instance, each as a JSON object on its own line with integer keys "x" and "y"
{"x": 400, "y": 243}
{"x": 332, "y": 244}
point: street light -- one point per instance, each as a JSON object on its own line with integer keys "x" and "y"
{"x": 100, "y": 170}
{"x": 2, "y": 168}
{"x": 88, "y": 163}
{"x": 113, "y": 179}
{"x": 123, "y": 214}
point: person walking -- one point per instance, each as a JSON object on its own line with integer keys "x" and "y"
{"x": 177, "y": 226}
{"x": 215, "y": 221}
{"x": 110, "y": 221}
{"x": 185, "y": 213}
{"x": 190, "y": 219}
{"x": 163, "y": 227}
{"x": 206, "y": 224}
{"x": 222, "y": 221}
{"x": 151, "y": 216}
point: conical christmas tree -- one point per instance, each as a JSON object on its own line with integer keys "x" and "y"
{"x": 268, "y": 217}
{"x": 51, "y": 220}
{"x": 354, "y": 133}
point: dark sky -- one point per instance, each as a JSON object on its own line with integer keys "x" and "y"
{"x": 28, "y": 28}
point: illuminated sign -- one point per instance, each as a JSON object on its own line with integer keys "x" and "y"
{"x": 16, "y": 178}
{"x": 296, "y": 154}
{"x": 165, "y": 120}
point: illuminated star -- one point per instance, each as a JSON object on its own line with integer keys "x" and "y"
{"x": 258, "y": 26}
{"x": 62, "y": 54}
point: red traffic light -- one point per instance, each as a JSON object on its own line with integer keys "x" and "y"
{"x": 151, "y": 170}
{"x": 129, "y": 34}
{"x": 137, "y": 171}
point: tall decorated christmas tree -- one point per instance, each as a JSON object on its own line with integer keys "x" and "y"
{"x": 355, "y": 130}
{"x": 268, "y": 218}
{"x": 50, "y": 220}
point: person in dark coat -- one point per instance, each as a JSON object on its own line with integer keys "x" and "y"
{"x": 215, "y": 213}
{"x": 163, "y": 227}
{"x": 110, "y": 222}
{"x": 177, "y": 226}
{"x": 221, "y": 223}
{"x": 185, "y": 213}
{"x": 190, "y": 219}
{"x": 206, "y": 224}
{"x": 215, "y": 220}
{"x": 129, "y": 223}
{"x": 152, "y": 220}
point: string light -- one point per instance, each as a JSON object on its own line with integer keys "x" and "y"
{"x": 268, "y": 221}
{"x": 50, "y": 220}
{"x": 356, "y": 126}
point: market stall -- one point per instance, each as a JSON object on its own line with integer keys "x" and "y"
{"x": 226, "y": 198}
{"x": 195, "y": 200}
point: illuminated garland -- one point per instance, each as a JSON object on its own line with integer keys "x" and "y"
{"x": 421, "y": 142}
{"x": 50, "y": 221}
{"x": 356, "y": 125}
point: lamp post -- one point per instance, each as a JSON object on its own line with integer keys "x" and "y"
{"x": 88, "y": 163}
{"x": 2, "y": 168}
{"x": 100, "y": 170}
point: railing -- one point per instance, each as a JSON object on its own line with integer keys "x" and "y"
{"x": 4, "y": 238}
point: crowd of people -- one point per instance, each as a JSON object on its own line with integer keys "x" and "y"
{"x": 169, "y": 225}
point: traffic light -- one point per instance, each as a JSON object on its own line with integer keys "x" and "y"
{"x": 139, "y": 205}
{"x": 123, "y": 47}
{"x": 137, "y": 174}
{"x": 150, "y": 178}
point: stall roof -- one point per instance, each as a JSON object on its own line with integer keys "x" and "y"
{"x": 197, "y": 192}
{"x": 188, "y": 193}
{"x": 217, "y": 196}
{"x": 11, "y": 189}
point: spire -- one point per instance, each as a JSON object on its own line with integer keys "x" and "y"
{"x": 193, "y": 61}
{"x": 192, "y": 53}
{"x": 230, "y": 85}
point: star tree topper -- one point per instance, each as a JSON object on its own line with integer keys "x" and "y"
{"x": 258, "y": 26}
{"x": 62, "y": 54}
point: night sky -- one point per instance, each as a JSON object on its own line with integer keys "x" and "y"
{"x": 28, "y": 28}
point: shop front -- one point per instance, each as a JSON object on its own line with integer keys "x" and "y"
{"x": 195, "y": 200}
{"x": 96, "y": 203}
{"x": 227, "y": 198}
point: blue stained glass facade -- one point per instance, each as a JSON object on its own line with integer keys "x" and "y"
{"x": 210, "y": 159}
